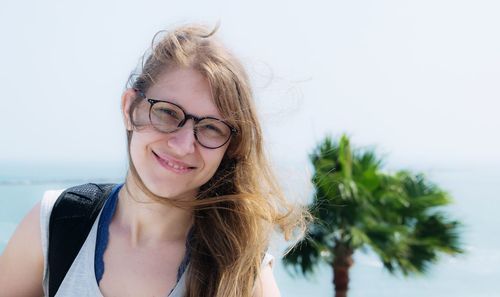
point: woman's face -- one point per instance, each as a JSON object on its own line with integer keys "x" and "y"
{"x": 174, "y": 164}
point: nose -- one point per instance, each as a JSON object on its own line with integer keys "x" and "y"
{"x": 182, "y": 141}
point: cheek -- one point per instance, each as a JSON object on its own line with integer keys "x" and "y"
{"x": 136, "y": 154}
{"x": 135, "y": 145}
{"x": 139, "y": 145}
{"x": 213, "y": 160}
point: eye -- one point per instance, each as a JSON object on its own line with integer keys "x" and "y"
{"x": 169, "y": 112}
{"x": 166, "y": 112}
{"x": 212, "y": 128}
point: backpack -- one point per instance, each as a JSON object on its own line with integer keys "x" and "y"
{"x": 72, "y": 217}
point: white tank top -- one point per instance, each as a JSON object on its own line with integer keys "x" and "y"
{"x": 80, "y": 281}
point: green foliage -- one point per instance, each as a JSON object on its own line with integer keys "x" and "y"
{"x": 399, "y": 216}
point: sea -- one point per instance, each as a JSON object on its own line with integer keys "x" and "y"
{"x": 476, "y": 204}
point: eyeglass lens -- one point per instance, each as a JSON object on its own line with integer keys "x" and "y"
{"x": 167, "y": 117}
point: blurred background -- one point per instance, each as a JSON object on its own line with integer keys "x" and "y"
{"x": 415, "y": 80}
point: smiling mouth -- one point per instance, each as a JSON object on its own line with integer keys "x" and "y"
{"x": 173, "y": 166}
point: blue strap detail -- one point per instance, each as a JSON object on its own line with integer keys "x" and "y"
{"x": 187, "y": 256}
{"x": 103, "y": 232}
{"x": 103, "y": 236}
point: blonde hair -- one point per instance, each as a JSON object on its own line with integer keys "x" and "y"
{"x": 238, "y": 208}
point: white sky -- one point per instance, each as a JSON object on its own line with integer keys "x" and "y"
{"x": 417, "y": 79}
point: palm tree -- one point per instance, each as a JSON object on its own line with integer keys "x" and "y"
{"x": 399, "y": 216}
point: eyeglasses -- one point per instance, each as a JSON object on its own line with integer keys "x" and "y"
{"x": 168, "y": 117}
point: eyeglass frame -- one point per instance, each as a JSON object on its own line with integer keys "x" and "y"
{"x": 187, "y": 116}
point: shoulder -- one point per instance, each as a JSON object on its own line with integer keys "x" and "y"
{"x": 266, "y": 283}
{"x": 22, "y": 261}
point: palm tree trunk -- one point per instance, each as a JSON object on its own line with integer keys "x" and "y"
{"x": 341, "y": 264}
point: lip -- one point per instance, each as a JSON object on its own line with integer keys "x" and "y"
{"x": 168, "y": 163}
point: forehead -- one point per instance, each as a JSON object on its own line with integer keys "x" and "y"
{"x": 186, "y": 87}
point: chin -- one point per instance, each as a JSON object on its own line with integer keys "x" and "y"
{"x": 170, "y": 191}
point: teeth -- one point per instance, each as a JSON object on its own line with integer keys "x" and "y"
{"x": 175, "y": 166}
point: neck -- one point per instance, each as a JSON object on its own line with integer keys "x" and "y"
{"x": 147, "y": 222}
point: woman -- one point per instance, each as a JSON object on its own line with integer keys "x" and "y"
{"x": 194, "y": 215}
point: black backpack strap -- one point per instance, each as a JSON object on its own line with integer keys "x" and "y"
{"x": 71, "y": 219}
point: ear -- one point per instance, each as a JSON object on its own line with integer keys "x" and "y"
{"x": 127, "y": 99}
